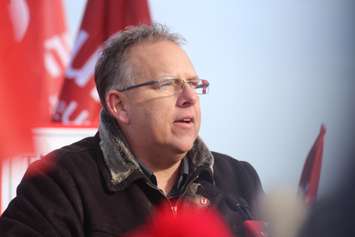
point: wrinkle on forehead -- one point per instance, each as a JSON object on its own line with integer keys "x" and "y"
{"x": 156, "y": 60}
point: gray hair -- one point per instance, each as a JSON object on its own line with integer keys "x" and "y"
{"x": 113, "y": 69}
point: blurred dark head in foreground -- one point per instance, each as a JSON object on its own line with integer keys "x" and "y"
{"x": 334, "y": 213}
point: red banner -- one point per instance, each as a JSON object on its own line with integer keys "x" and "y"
{"x": 79, "y": 103}
{"x": 34, "y": 51}
{"x": 312, "y": 168}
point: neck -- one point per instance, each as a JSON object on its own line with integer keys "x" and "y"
{"x": 162, "y": 160}
{"x": 164, "y": 166}
{"x": 166, "y": 178}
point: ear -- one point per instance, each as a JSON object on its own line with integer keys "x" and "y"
{"x": 115, "y": 102}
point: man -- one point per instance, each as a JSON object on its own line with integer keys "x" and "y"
{"x": 147, "y": 151}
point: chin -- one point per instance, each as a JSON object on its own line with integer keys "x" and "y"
{"x": 184, "y": 147}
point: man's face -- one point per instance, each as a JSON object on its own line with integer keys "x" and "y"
{"x": 158, "y": 121}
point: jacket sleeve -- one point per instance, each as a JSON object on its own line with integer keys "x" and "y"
{"x": 47, "y": 204}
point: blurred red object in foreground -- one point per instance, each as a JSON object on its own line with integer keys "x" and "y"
{"x": 255, "y": 228}
{"x": 188, "y": 222}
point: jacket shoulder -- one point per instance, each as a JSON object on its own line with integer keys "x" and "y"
{"x": 232, "y": 164}
{"x": 236, "y": 177}
{"x": 85, "y": 145}
{"x": 80, "y": 162}
{"x": 81, "y": 152}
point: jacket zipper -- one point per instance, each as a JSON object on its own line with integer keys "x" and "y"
{"x": 174, "y": 207}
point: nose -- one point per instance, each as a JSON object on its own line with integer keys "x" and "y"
{"x": 187, "y": 97}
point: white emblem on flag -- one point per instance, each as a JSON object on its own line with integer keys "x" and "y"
{"x": 20, "y": 17}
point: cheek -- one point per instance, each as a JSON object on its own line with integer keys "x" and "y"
{"x": 158, "y": 117}
{"x": 198, "y": 114}
{"x": 154, "y": 116}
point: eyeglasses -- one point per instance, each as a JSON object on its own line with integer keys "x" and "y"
{"x": 174, "y": 85}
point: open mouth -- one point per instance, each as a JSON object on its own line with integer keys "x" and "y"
{"x": 185, "y": 120}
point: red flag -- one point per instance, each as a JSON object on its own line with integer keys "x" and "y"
{"x": 33, "y": 53}
{"x": 79, "y": 102}
{"x": 311, "y": 170}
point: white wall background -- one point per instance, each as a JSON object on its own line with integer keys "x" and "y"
{"x": 278, "y": 69}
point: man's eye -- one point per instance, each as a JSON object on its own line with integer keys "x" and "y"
{"x": 193, "y": 83}
{"x": 165, "y": 84}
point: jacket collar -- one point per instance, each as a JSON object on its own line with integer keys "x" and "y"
{"x": 122, "y": 163}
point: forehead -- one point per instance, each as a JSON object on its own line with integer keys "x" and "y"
{"x": 160, "y": 59}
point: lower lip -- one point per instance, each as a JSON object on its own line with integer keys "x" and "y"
{"x": 184, "y": 125}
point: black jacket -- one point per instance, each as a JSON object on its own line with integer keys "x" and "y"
{"x": 71, "y": 192}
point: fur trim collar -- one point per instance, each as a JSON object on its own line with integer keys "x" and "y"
{"x": 120, "y": 160}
